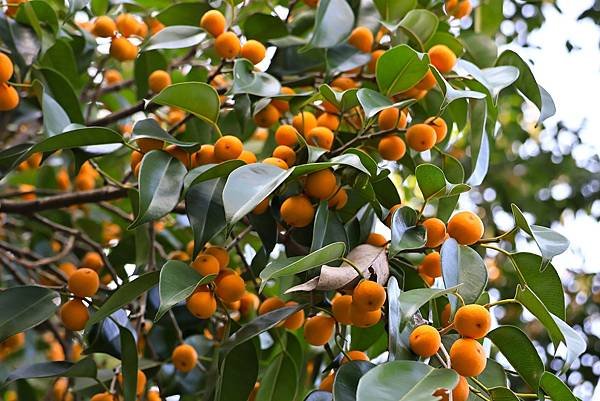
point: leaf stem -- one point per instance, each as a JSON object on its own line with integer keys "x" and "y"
{"x": 354, "y": 266}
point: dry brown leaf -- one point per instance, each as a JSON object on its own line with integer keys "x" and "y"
{"x": 369, "y": 259}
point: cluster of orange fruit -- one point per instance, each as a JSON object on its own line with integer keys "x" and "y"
{"x": 120, "y": 30}
{"x": 9, "y": 97}
{"x": 82, "y": 283}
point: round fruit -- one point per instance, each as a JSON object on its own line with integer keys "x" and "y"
{"x": 286, "y": 135}
{"x": 431, "y": 265}
{"x": 270, "y": 304}
{"x": 297, "y": 211}
{"x": 328, "y": 120}
{"x": 368, "y": 296}
{"x": 295, "y": 320}
{"x": 321, "y": 137}
{"x": 428, "y": 82}
{"x": 92, "y": 260}
{"x": 321, "y": 184}
{"x": 391, "y": 118}
{"x": 286, "y": 154}
{"x": 436, "y": 232}
{"x": 473, "y": 321}
{"x": 254, "y": 51}
{"x": 84, "y": 282}
{"x": 355, "y": 356}
{"x": 74, "y": 315}
{"x": 465, "y": 227}
{"x": 247, "y": 156}
{"x": 158, "y": 80}
{"x": 391, "y": 148}
{"x": 425, "y": 341}
{"x": 421, "y": 137}
{"x": 376, "y": 239}
{"x": 339, "y": 200}
{"x": 460, "y": 392}
{"x": 228, "y": 45}
{"x": 361, "y": 38}
{"x": 213, "y": 22}
{"x": 184, "y": 358}
{"x": 230, "y": 288}
{"x": 340, "y": 307}
{"x": 9, "y": 97}
{"x": 277, "y": 162}
{"x": 318, "y": 329}
{"x": 221, "y": 254}
{"x": 304, "y": 122}
{"x": 202, "y": 304}
{"x": 104, "y": 27}
{"x": 467, "y": 357}
{"x": 206, "y": 264}
{"x": 122, "y": 49}
{"x": 228, "y": 147}
{"x": 6, "y": 68}
{"x": 439, "y": 126}
{"x": 267, "y": 116}
{"x": 442, "y": 58}
{"x": 361, "y": 318}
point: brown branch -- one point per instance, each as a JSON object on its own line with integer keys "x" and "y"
{"x": 62, "y": 200}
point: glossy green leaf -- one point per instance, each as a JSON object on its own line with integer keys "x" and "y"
{"x": 393, "y": 10}
{"x": 247, "y": 186}
{"x": 549, "y": 241}
{"x": 480, "y": 143}
{"x": 373, "y": 102}
{"x": 503, "y": 394}
{"x": 263, "y": 27}
{"x": 246, "y": 80}
{"x": 99, "y": 7}
{"x": 37, "y": 12}
{"x": 574, "y": 343}
{"x": 529, "y": 300}
{"x": 258, "y": 325}
{"x": 393, "y": 297}
{"x": 204, "y": 208}
{"x": 446, "y": 39}
{"x": 280, "y": 380}
{"x": 406, "y": 234}
{"x": 299, "y": 264}
{"x": 545, "y": 284}
{"x": 145, "y": 64}
{"x": 452, "y": 94}
{"x": 431, "y": 180}
{"x": 184, "y": 13}
{"x": 399, "y": 69}
{"x": 344, "y": 100}
{"x": 176, "y": 283}
{"x": 333, "y": 23}
{"x": 412, "y": 300}
{"x": 419, "y": 25}
{"x": 404, "y": 381}
{"x": 149, "y": 128}
{"x": 347, "y": 377}
{"x": 238, "y": 373}
{"x": 494, "y": 79}
{"x": 161, "y": 181}
{"x": 63, "y": 92}
{"x": 345, "y": 57}
{"x": 86, "y": 367}
{"x": 198, "y": 98}
{"x": 129, "y": 364}
{"x": 462, "y": 265}
{"x": 124, "y": 295}
{"x": 175, "y": 37}
{"x": 520, "y": 352}
{"x": 22, "y": 308}
{"x": 56, "y": 118}
{"x": 556, "y": 389}
{"x": 479, "y": 48}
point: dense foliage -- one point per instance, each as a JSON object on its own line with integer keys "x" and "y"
{"x": 258, "y": 201}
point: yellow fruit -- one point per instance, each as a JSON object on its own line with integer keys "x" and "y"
{"x": 467, "y": 357}
{"x": 376, "y": 239}
{"x": 439, "y": 126}
{"x": 227, "y": 45}
{"x": 442, "y": 58}
{"x": 267, "y": 116}
{"x": 368, "y": 296}
{"x": 220, "y": 253}
{"x": 340, "y": 307}
{"x": 9, "y": 97}
{"x": 472, "y": 321}
{"x": 320, "y": 184}
{"x": 184, "y": 358}
{"x": 228, "y": 147}
{"x": 159, "y": 80}
{"x": 391, "y": 148}
{"x": 286, "y": 154}
{"x": 421, "y": 137}
{"x": 275, "y": 161}
{"x": 286, "y": 135}
{"x": 213, "y": 22}
{"x": 436, "y": 232}
{"x": 339, "y": 200}
{"x": 202, "y": 304}
{"x": 328, "y": 120}
{"x": 254, "y": 51}
{"x": 304, "y": 122}
{"x": 465, "y": 227}
{"x": 318, "y": 329}
{"x": 6, "y": 68}
{"x": 321, "y": 137}
{"x": 104, "y": 27}
{"x": 431, "y": 265}
{"x": 74, "y": 315}
{"x": 361, "y": 38}
{"x": 122, "y": 49}
{"x": 84, "y": 282}
{"x": 425, "y": 341}
{"x": 206, "y": 264}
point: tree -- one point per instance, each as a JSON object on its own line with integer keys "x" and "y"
{"x": 202, "y": 191}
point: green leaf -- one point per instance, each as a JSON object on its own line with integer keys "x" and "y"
{"x": 263, "y": 27}
{"x": 175, "y": 37}
{"x": 549, "y": 241}
{"x": 246, "y": 80}
{"x": 345, "y": 57}
{"x": 84, "y": 368}
{"x": 146, "y": 64}
{"x": 299, "y": 264}
{"x": 248, "y": 185}
{"x": 526, "y": 82}
{"x": 99, "y": 7}
{"x": 280, "y": 380}
{"x": 176, "y": 283}
{"x": 347, "y": 377}
{"x": 574, "y": 344}
{"x": 129, "y": 363}
{"x": 450, "y": 93}
{"x": 411, "y": 301}
{"x": 462, "y": 265}
{"x": 528, "y": 299}
{"x": 419, "y": 25}
{"x": 161, "y": 181}
{"x": 55, "y": 118}
{"x": 373, "y": 102}
{"x": 344, "y": 100}
{"x": 556, "y": 388}
{"x": 124, "y": 295}
{"x": 320, "y": 226}
{"x": 394, "y": 340}
{"x": 198, "y": 98}
{"x": 447, "y": 39}
{"x": 238, "y": 373}
{"x": 480, "y": 48}
{"x": 333, "y": 23}
{"x": 480, "y": 143}
{"x": 494, "y": 79}
{"x": 184, "y": 13}
{"x": 204, "y": 207}
{"x": 545, "y": 284}
{"x": 36, "y": 12}
{"x": 258, "y": 325}
{"x": 22, "y": 308}
{"x": 393, "y": 10}
{"x": 503, "y": 394}
{"x": 406, "y": 234}
{"x": 399, "y": 69}
{"x": 149, "y": 128}
{"x": 431, "y": 180}
{"x": 520, "y": 352}
{"x": 404, "y": 381}
{"x": 209, "y": 171}
{"x": 491, "y": 15}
